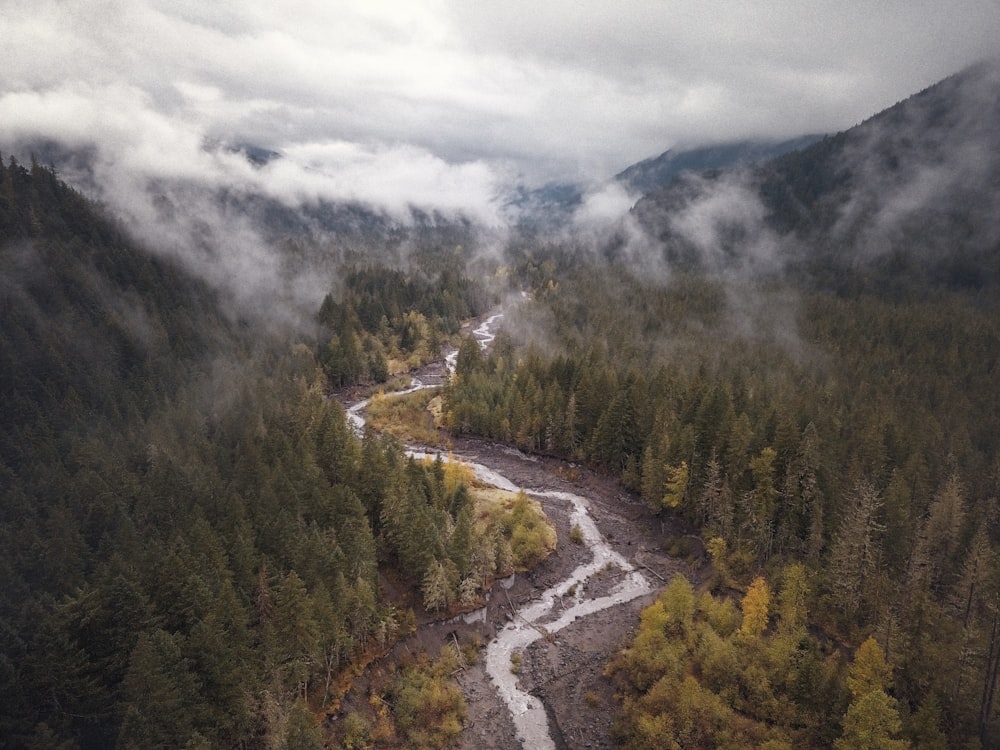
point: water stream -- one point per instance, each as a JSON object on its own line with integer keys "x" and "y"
{"x": 540, "y": 616}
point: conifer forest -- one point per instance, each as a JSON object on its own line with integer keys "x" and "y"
{"x": 788, "y": 371}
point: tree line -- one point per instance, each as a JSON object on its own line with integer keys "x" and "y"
{"x": 852, "y": 432}
{"x": 386, "y": 319}
{"x": 194, "y": 541}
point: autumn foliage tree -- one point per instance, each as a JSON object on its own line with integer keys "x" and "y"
{"x": 756, "y": 609}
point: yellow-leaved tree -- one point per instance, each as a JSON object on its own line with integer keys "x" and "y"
{"x": 872, "y": 720}
{"x": 756, "y": 608}
{"x": 870, "y": 671}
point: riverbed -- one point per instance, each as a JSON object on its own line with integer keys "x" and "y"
{"x": 583, "y": 601}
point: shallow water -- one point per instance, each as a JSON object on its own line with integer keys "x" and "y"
{"x": 536, "y": 618}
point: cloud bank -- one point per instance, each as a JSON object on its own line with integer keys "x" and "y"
{"x": 440, "y": 105}
{"x": 552, "y": 91}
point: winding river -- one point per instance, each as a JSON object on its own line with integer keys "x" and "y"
{"x": 540, "y": 616}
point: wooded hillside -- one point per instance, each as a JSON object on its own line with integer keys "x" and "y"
{"x": 192, "y": 536}
{"x": 803, "y": 382}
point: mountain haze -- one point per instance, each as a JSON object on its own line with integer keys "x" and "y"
{"x": 912, "y": 190}
{"x": 789, "y": 352}
{"x": 650, "y": 175}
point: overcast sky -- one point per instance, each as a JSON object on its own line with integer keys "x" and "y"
{"x": 447, "y": 101}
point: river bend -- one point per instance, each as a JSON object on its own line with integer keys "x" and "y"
{"x": 539, "y": 617}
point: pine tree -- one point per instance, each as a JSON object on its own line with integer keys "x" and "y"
{"x": 870, "y": 671}
{"x": 676, "y": 486}
{"x": 462, "y": 538}
{"x": 856, "y": 550}
{"x": 792, "y": 598}
{"x": 872, "y": 723}
{"x": 941, "y": 533}
{"x": 293, "y": 635}
{"x": 569, "y": 437}
{"x": 362, "y": 611}
{"x": 653, "y": 471}
{"x": 970, "y": 595}
{"x": 161, "y": 694}
{"x": 219, "y": 648}
{"x": 765, "y": 492}
{"x": 335, "y": 643}
{"x": 805, "y": 492}
{"x": 923, "y": 727}
{"x": 437, "y": 588}
{"x": 303, "y": 732}
{"x": 611, "y": 437}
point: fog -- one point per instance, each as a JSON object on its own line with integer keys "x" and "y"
{"x": 405, "y": 111}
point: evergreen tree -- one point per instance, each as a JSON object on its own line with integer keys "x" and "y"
{"x": 756, "y": 609}
{"x": 870, "y": 671}
{"x": 161, "y": 694}
{"x": 872, "y": 723}
{"x": 793, "y": 598}
{"x": 293, "y": 636}
{"x": 714, "y": 507}
{"x": 303, "y": 732}
{"x": 856, "y": 550}
{"x": 437, "y": 588}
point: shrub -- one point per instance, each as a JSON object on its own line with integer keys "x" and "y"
{"x": 516, "y": 662}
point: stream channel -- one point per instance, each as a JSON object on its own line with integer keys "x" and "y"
{"x": 537, "y": 618}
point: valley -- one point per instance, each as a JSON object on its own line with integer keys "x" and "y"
{"x": 712, "y": 456}
{"x": 563, "y": 620}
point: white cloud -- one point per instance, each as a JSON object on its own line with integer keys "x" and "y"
{"x": 550, "y": 90}
{"x": 723, "y": 220}
{"x": 440, "y": 104}
{"x": 391, "y": 177}
{"x": 603, "y": 207}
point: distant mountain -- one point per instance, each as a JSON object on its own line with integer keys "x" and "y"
{"x": 911, "y": 195}
{"x": 650, "y": 175}
{"x": 550, "y": 206}
{"x": 554, "y": 204}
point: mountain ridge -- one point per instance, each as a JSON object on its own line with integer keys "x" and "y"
{"x": 658, "y": 172}
{"x": 914, "y": 184}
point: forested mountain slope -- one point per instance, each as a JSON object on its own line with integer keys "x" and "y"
{"x": 191, "y": 535}
{"x": 911, "y": 194}
{"x": 657, "y": 173}
{"x": 802, "y": 363}
{"x": 87, "y": 317}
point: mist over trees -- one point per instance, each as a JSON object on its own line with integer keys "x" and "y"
{"x": 807, "y": 377}
{"x": 192, "y": 534}
{"x": 797, "y": 362}
{"x": 908, "y": 194}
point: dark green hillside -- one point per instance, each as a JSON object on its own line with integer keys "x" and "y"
{"x": 911, "y": 195}
{"x": 857, "y": 435}
{"x": 192, "y": 538}
{"x": 657, "y": 173}
{"x": 92, "y": 329}
{"x": 831, "y": 410}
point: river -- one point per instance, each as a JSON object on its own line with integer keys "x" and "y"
{"x": 540, "y": 616}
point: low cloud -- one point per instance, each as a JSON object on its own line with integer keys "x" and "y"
{"x": 441, "y": 106}
{"x": 922, "y": 181}
{"x": 721, "y": 226}
{"x": 134, "y": 140}
{"x": 554, "y": 92}
{"x": 163, "y": 175}
{"x": 392, "y": 178}
{"x": 603, "y": 206}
